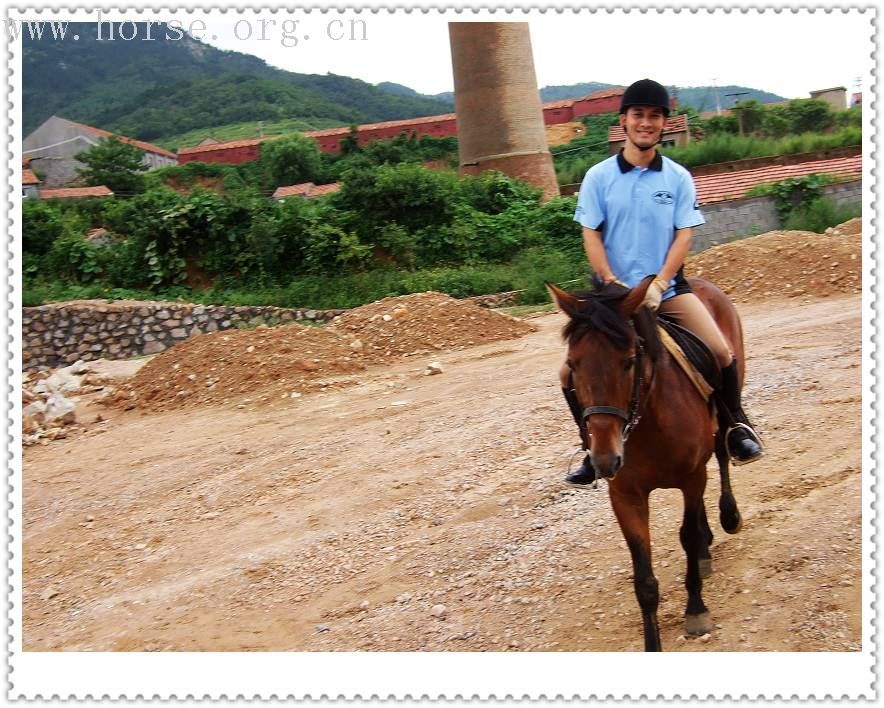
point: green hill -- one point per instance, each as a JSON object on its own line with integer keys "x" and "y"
{"x": 158, "y": 89}
{"x": 701, "y": 98}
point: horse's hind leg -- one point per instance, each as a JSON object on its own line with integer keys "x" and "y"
{"x": 697, "y": 620}
{"x": 631, "y": 510}
{"x": 729, "y": 514}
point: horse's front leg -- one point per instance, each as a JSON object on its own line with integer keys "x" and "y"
{"x": 729, "y": 514}
{"x": 694, "y": 541}
{"x": 631, "y": 510}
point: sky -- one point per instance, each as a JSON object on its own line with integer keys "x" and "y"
{"x": 786, "y": 53}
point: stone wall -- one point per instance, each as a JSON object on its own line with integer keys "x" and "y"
{"x": 738, "y": 218}
{"x": 59, "y": 334}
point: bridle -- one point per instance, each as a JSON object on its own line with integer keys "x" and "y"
{"x": 633, "y": 415}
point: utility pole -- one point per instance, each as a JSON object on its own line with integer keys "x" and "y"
{"x": 737, "y": 108}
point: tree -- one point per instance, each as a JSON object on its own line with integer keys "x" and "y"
{"x": 115, "y": 164}
{"x": 291, "y": 159}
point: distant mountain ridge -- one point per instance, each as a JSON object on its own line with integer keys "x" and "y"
{"x": 148, "y": 90}
{"x": 700, "y": 98}
{"x": 172, "y": 87}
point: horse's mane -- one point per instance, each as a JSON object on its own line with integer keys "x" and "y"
{"x": 599, "y": 313}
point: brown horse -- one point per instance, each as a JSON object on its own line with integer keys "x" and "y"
{"x": 649, "y": 428}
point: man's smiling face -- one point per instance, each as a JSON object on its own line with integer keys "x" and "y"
{"x": 643, "y": 125}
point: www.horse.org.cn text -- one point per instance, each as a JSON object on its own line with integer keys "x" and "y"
{"x": 289, "y": 33}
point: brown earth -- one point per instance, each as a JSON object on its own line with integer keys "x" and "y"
{"x": 266, "y": 364}
{"x": 785, "y": 263}
{"x": 401, "y": 511}
{"x": 563, "y": 133}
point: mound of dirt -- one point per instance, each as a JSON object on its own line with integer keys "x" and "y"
{"x": 424, "y": 323}
{"x": 231, "y": 366}
{"x": 264, "y": 364}
{"x": 785, "y": 264}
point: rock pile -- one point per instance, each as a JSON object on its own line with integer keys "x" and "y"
{"x": 265, "y": 364}
{"x": 424, "y": 323}
{"x": 785, "y": 264}
{"x": 48, "y": 409}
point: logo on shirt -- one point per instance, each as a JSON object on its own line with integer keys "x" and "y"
{"x": 663, "y": 197}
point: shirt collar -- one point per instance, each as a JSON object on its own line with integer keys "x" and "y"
{"x": 656, "y": 163}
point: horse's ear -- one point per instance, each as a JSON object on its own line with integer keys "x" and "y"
{"x": 566, "y": 302}
{"x": 636, "y": 297}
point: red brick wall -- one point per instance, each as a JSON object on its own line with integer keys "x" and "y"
{"x": 230, "y": 156}
{"x": 553, "y": 116}
{"x": 610, "y": 104}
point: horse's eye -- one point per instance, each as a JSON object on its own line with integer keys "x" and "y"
{"x": 630, "y": 362}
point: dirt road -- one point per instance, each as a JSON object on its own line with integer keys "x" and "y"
{"x": 410, "y": 512}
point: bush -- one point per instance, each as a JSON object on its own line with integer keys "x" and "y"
{"x": 408, "y": 195}
{"x": 555, "y": 225}
{"x": 73, "y": 257}
{"x": 42, "y": 224}
{"x": 535, "y": 265}
{"x": 820, "y": 214}
{"x": 291, "y": 159}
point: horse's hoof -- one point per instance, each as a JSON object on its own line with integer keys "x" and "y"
{"x": 697, "y": 625}
{"x": 705, "y": 567}
{"x": 731, "y": 522}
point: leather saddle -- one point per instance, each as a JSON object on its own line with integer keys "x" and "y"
{"x": 698, "y": 355}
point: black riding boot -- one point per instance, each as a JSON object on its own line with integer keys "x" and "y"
{"x": 585, "y": 474}
{"x": 743, "y": 443}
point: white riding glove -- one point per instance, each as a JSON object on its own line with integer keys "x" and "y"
{"x": 655, "y": 293}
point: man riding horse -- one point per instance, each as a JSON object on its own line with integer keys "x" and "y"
{"x": 638, "y": 209}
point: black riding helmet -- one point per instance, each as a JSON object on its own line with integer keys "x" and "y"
{"x": 646, "y": 92}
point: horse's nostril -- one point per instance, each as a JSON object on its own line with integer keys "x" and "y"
{"x": 618, "y": 463}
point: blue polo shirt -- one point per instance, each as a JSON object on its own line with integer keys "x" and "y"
{"x": 637, "y": 210}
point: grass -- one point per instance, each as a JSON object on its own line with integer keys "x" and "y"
{"x": 526, "y": 273}
{"x": 522, "y": 310}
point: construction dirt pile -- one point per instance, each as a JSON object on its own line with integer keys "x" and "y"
{"x": 785, "y": 264}
{"x": 265, "y": 364}
{"x": 231, "y": 366}
{"x": 424, "y": 323}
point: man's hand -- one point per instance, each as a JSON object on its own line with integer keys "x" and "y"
{"x": 615, "y": 279}
{"x": 655, "y": 293}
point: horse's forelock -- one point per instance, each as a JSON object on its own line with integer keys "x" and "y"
{"x": 599, "y": 313}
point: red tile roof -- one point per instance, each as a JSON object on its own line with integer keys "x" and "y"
{"x": 733, "y": 185}
{"x": 564, "y": 103}
{"x": 675, "y": 124}
{"x": 386, "y": 124}
{"x": 75, "y": 192}
{"x": 293, "y": 190}
{"x": 148, "y": 147}
{"x": 604, "y": 93}
{"x": 28, "y": 176}
{"x": 320, "y": 190}
{"x": 306, "y": 189}
{"x": 226, "y": 146}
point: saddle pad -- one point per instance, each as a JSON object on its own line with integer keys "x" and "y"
{"x": 692, "y": 355}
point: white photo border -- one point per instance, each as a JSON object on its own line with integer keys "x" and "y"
{"x": 303, "y": 676}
